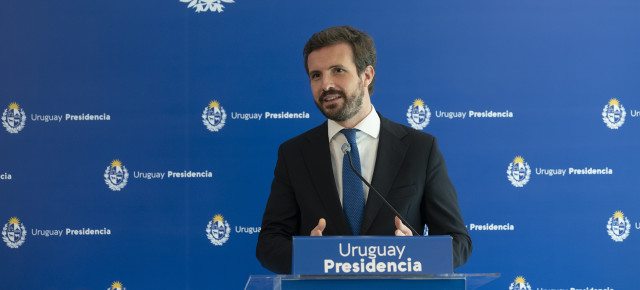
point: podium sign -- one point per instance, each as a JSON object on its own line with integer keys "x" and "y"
{"x": 369, "y": 255}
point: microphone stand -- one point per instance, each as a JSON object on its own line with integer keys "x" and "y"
{"x": 415, "y": 233}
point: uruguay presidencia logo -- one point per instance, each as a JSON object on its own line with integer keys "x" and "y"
{"x": 520, "y": 284}
{"x": 218, "y": 230}
{"x": 116, "y": 286}
{"x": 518, "y": 172}
{"x": 116, "y": 175}
{"x": 613, "y": 114}
{"x": 214, "y": 116}
{"x": 14, "y": 233}
{"x": 418, "y": 115}
{"x": 618, "y": 227}
{"x": 13, "y": 118}
{"x": 207, "y": 5}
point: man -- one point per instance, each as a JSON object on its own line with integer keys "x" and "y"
{"x": 313, "y": 194}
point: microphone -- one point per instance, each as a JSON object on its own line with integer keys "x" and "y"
{"x": 346, "y": 148}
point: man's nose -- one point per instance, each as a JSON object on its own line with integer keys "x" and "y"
{"x": 327, "y": 83}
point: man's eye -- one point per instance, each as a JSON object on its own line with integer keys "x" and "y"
{"x": 314, "y": 76}
{"x": 339, "y": 70}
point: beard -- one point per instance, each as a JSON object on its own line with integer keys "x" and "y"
{"x": 349, "y": 108}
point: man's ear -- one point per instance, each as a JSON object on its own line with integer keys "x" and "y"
{"x": 368, "y": 75}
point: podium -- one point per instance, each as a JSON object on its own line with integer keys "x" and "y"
{"x": 422, "y": 281}
{"x": 362, "y": 262}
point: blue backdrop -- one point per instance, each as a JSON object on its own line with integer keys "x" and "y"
{"x": 87, "y": 83}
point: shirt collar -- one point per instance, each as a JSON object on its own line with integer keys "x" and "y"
{"x": 370, "y": 125}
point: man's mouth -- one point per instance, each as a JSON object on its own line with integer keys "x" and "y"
{"x": 331, "y": 96}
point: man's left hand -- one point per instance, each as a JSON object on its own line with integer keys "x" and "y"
{"x": 401, "y": 229}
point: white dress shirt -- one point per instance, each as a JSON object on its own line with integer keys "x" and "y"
{"x": 367, "y": 139}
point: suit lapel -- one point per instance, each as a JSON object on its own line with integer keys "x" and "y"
{"x": 391, "y": 152}
{"x": 318, "y": 159}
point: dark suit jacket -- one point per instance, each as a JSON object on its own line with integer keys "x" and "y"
{"x": 409, "y": 171}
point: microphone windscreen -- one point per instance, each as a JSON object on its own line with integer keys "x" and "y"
{"x": 346, "y": 148}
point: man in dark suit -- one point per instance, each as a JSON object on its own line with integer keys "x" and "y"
{"x": 312, "y": 193}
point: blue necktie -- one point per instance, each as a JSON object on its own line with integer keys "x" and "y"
{"x": 352, "y": 190}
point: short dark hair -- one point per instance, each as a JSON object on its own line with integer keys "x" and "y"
{"x": 364, "y": 51}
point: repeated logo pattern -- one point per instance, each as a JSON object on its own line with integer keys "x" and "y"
{"x": 518, "y": 172}
{"x": 418, "y": 115}
{"x": 207, "y": 5}
{"x": 614, "y": 114}
{"x": 14, "y": 233}
{"x": 520, "y": 284}
{"x": 116, "y": 286}
{"x": 116, "y": 175}
{"x": 214, "y": 116}
{"x": 218, "y": 230}
{"x": 618, "y": 227}
{"x": 14, "y": 118}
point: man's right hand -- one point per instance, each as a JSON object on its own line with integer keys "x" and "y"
{"x": 317, "y": 231}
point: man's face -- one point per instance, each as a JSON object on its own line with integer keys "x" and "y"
{"x": 337, "y": 88}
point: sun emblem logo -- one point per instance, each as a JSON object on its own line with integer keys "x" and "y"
{"x": 204, "y": 5}
{"x": 418, "y": 115}
{"x": 218, "y": 230}
{"x": 518, "y": 172}
{"x": 520, "y": 284}
{"x": 14, "y": 233}
{"x": 13, "y": 118}
{"x": 116, "y": 175}
{"x": 214, "y": 116}
{"x": 614, "y": 114}
{"x": 618, "y": 227}
{"x": 116, "y": 286}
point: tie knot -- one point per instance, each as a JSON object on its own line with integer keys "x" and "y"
{"x": 350, "y": 134}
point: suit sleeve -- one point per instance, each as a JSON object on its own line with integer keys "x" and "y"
{"x": 280, "y": 222}
{"x": 440, "y": 207}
